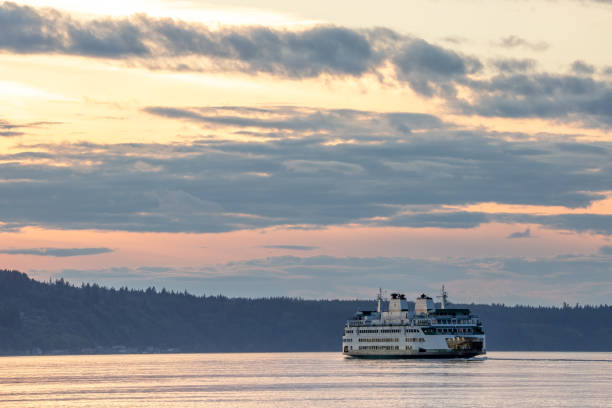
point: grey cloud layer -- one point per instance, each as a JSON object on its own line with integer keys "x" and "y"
{"x": 157, "y": 43}
{"x": 310, "y": 168}
{"x": 57, "y": 252}
{"x": 312, "y": 52}
{"x": 541, "y": 95}
{"x": 174, "y": 44}
{"x": 572, "y": 278}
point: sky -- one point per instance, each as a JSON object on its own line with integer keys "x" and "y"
{"x": 310, "y": 149}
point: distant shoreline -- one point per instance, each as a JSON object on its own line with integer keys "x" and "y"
{"x": 57, "y": 318}
{"x": 168, "y": 352}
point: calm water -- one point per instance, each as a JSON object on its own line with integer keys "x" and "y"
{"x": 508, "y": 379}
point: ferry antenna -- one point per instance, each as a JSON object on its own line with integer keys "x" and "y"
{"x": 444, "y": 297}
{"x": 379, "y": 298}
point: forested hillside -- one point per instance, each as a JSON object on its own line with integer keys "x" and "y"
{"x": 38, "y": 317}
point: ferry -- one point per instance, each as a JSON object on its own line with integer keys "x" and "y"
{"x": 425, "y": 332}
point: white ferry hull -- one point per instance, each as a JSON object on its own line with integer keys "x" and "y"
{"x": 431, "y": 347}
{"x": 397, "y": 354}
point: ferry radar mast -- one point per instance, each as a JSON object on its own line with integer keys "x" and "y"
{"x": 443, "y": 296}
{"x": 379, "y": 298}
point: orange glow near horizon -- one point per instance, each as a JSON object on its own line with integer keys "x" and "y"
{"x": 184, "y": 250}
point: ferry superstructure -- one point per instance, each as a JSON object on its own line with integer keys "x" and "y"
{"x": 425, "y": 332}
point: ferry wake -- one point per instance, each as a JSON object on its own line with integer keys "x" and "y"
{"x": 425, "y": 332}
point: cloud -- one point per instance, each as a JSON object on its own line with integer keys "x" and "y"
{"x": 291, "y": 247}
{"x": 10, "y": 226}
{"x": 582, "y": 68}
{"x": 56, "y": 252}
{"x": 322, "y": 167}
{"x": 594, "y": 223}
{"x": 300, "y": 119}
{"x": 431, "y": 69}
{"x": 460, "y": 219}
{"x": 539, "y": 280}
{"x": 591, "y": 223}
{"x": 513, "y": 41}
{"x": 312, "y": 52}
{"x": 9, "y": 133}
{"x": 317, "y": 166}
{"x": 313, "y": 277}
{"x": 512, "y": 65}
{"x": 25, "y": 29}
{"x": 163, "y": 43}
{"x": 606, "y": 250}
{"x": 566, "y": 98}
{"x": 520, "y": 234}
{"x": 8, "y": 129}
{"x": 456, "y": 39}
